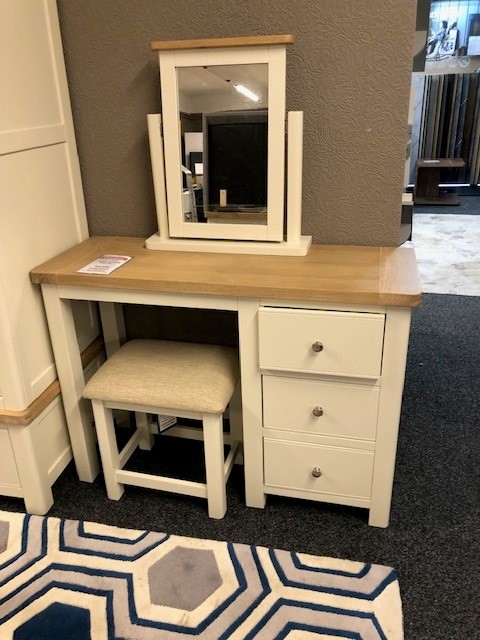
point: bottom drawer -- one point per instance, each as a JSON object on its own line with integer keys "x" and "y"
{"x": 345, "y": 472}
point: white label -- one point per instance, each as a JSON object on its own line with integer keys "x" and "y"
{"x": 104, "y": 264}
{"x": 165, "y": 422}
{"x": 223, "y": 197}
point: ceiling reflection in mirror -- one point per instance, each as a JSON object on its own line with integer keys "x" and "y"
{"x": 224, "y": 143}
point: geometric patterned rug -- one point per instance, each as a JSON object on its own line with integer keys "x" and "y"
{"x": 74, "y": 580}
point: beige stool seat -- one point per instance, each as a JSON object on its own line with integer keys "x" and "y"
{"x": 169, "y": 378}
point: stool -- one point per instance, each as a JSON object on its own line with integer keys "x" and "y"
{"x": 169, "y": 378}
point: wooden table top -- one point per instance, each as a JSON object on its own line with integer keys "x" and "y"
{"x": 441, "y": 163}
{"x": 345, "y": 274}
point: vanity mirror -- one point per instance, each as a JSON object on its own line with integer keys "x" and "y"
{"x": 218, "y": 158}
{"x": 223, "y": 138}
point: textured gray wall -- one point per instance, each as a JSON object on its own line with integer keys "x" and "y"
{"x": 349, "y": 71}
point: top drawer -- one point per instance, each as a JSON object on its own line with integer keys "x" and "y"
{"x": 326, "y": 342}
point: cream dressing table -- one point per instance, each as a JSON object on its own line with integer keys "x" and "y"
{"x": 323, "y": 341}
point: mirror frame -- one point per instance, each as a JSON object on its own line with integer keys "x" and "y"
{"x": 274, "y": 55}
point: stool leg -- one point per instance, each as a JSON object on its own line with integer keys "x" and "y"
{"x": 108, "y": 448}
{"x": 143, "y": 425}
{"x": 215, "y": 464}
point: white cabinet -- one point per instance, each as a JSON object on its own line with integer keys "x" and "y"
{"x": 42, "y": 212}
{"x": 330, "y": 402}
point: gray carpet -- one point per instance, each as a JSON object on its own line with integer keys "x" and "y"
{"x": 469, "y": 205}
{"x": 433, "y": 540}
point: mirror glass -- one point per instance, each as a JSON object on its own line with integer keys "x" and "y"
{"x": 224, "y": 143}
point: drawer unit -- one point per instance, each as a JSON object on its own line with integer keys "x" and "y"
{"x": 319, "y": 407}
{"x": 32, "y": 456}
{"x": 35, "y": 449}
{"x": 318, "y": 469}
{"x": 323, "y": 342}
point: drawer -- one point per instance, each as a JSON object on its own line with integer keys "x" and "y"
{"x": 344, "y": 472}
{"x": 351, "y": 343}
{"x": 347, "y": 410}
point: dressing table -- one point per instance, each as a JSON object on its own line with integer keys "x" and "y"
{"x": 322, "y": 330}
{"x": 323, "y": 342}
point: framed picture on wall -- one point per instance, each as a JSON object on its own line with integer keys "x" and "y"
{"x": 449, "y": 44}
{"x": 453, "y": 29}
{"x": 473, "y": 45}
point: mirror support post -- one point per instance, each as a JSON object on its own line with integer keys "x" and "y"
{"x": 294, "y": 176}
{"x": 154, "y": 121}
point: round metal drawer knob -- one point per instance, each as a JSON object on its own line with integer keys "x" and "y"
{"x": 317, "y": 412}
{"x": 317, "y": 347}
{"x": 316, "y": 472}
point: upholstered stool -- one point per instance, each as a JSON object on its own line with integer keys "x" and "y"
{"x": 170, "y": 378}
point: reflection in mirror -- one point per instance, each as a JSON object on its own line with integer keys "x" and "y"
{"x": 224, "y": 143}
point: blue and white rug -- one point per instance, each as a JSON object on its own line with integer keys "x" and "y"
{"x": 72, "y": 580}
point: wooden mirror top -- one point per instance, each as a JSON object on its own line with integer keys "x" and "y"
{"x": 214, "y": 43}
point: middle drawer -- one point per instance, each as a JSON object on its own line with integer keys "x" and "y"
{"x": 319, "y": 407}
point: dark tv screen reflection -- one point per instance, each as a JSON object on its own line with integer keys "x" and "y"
{"x": 235, "y": 160}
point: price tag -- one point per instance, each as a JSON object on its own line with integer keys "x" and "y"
{"x": 104, "y": 264}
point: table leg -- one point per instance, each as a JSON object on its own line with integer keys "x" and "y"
{"x": 427, "y": 183}
{"x": 393, "y": 375}
{"x": 251, "y": 403}
{"x": 70, "y": 374}
{"x": 236, "y": 421}
{"x": 113, "y": 326}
